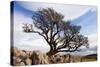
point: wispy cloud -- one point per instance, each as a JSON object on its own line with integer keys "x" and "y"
{"x": 69, "y": 11}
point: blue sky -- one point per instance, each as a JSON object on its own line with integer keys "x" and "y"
{"x": 85, "y": 16}
{"x": 88, "y": 21}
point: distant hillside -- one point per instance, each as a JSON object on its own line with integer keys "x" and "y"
{"x": 92, "y": 55}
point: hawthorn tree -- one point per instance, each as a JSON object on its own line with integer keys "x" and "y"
{"x": 61, "y": 36}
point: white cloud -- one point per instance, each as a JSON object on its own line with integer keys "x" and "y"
{"x": 93, "y": 39}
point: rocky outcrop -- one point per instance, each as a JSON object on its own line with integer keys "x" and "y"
{"x": 22, "y": 57}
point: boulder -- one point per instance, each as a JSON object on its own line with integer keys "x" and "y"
{"x": 15, "y": 51}
{"x": 21, "y": 64}
{"x": 28, "y": 61}
{"x": 39, "y": 58}
{"x": 18, "y": 60}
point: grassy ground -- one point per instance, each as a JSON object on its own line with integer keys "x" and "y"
{"x": 84, "y": 58}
